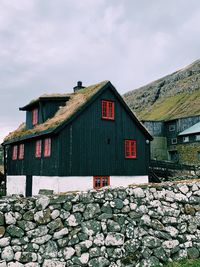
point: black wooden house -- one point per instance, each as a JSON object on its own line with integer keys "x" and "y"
{"x": 86, "y": 139}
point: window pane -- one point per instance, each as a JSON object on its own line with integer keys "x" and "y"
{"x": 21, "y": 151}
{"x": 47, "y": 147}
{"x": 198, "y": 137}
{"x": 130, "y": 149}
{"x": 38, "y": 148}
{"x": 14, "y": 153}
{"x": 186, "y": 139}
{"x": 35, "y": 116}
{"x": 104, "y": 181}
{"x": 108, "y": 110}
{"x": 97, "y": 182}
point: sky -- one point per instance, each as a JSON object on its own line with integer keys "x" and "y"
{"x": 47, "y": 46}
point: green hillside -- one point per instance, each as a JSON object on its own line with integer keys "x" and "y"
{"x": 173, "y": 96}
{"x": 180, "y": 105}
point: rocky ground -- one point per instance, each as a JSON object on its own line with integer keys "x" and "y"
{"x": 174, "y": 89}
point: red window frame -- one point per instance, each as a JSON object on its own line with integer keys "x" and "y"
{"x": 108, "y": 110}
{"x": 98, "y": 181}
{"x": 38, "y": 148}
{"x": 130, "y": 149}
{"x": 35, "y": 116}
{"x": 47, "y": 147}
{"x": 14, "y": 152}
{"x": 21, "y": 151}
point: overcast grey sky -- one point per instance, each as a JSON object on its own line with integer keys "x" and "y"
{"x": 46, "y": 46}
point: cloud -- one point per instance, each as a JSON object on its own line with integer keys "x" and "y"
{"x": 46, "y": 46}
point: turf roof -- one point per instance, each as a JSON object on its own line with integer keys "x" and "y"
{"x": 75, "y": 102}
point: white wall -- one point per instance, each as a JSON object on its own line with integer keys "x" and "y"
{"x": 16, "y": 184}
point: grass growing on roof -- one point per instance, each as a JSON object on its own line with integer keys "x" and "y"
{"x": 75, "y": 102}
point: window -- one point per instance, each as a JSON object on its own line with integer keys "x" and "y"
{"x": 198, "y": 155}
{"x": 47, "y": 147}
{"x": 35, "y": 116}
{"x": 185, "y": 139}
{"x": 130, "y": 149}
{"x": 21, "y": 151}
{"x": 14, "y": 153}
{"x": 174, "y": 141}
{"x": 197, "y": 137}
{"x": 100, "y": 181}
{"x": 171, "y": 127}
{"x": 108, "y": 110}
{"x": 38, "y": 149}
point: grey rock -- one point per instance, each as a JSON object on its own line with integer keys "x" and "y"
{"x": 94, "y": 252}
{"x": 42, "y": 202}
{"x": 99, "y": 240}
{"x": 138, "y": 192}
{"x": 45, "y": 192}
{"x": 172, "y": 231}
{"x": 3, "y": 263}
{"x": 161, "y": 254}
{"x": 4, "y": 242}
{"x": 55, "y": 225}
{"x": 26, "y": 225}
{"x": 117, "y": 203}
{"x": 151, "y": 262}
{"x": 67, "y": 206}
{"x": 14, "y": 231}
{"x": 32, "y": 264}
{"x": 113, "y": 226}
{"x": 55, "y": 214}
{"x": 15, "y": 264}
{"x": 10, "y": 218}
{"x": 91, "y": 211}
{"x": 131, "y": 246}
{"x": 151, "y": 242}
{"x": 42, "y": 216}
{"x": 53, "y": 263}
{"x": 50, "y": 250}
{"x": 91, "y": 227}
{"x": 79, "y": 207}
{"x": 130, "y": 230}
{"x": 7, "y": 254}
{"x": 41, "y": 230}
{"x": 61, "y": 233}
{"x": 2, "y": 218}
{"x": 170, "y": 244}
{"x": 28, "y": 215}
{"x": 68, "y": 252}
{"x": 99, "y": 262}
{"x": 41, "y": 240}
{"x": 114, "y": 239}
{"x": 25, "y": 257}
{"x": 74, "y": 219}
{"x": 193, "y": 253}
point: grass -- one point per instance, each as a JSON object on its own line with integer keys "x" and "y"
{"x": 76, "y": 101}
{"x": 184, "y": 263}
{"x": 179, "y": 105}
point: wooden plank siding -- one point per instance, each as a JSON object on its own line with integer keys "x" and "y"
{"x": 88, "y": 146}
{"x": 85, "y": 148}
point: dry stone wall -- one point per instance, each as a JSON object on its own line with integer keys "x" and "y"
{"x": 134, "y": 226}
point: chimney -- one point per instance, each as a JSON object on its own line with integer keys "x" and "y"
{"x": 78, "y": 87}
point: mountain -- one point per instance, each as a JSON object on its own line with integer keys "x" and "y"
{"x": 173, "y": 96}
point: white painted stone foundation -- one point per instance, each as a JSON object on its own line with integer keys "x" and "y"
{"x": 17, "y": 184}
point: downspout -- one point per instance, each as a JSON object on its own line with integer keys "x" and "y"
{"x": 5, "y": 167}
